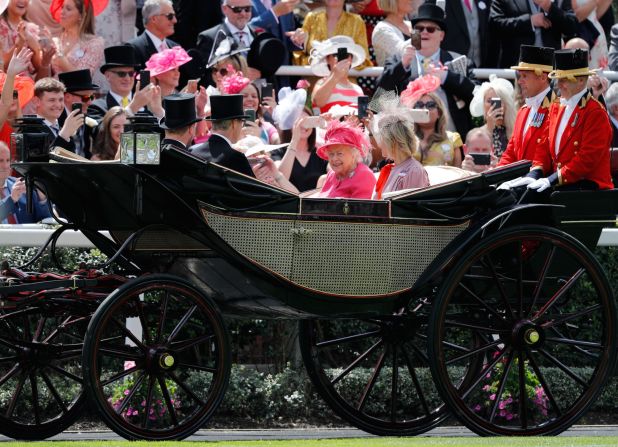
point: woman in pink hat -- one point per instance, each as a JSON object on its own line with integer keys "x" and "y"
{"x": 164, "y": 71}
{"x": 344, "y": 147}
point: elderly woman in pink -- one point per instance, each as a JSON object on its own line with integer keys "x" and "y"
{"x": 344, "y": 147}
{"x": 163, "y": 67}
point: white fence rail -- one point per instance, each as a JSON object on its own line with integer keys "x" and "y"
{"x": 35, "y": 235}
{"x": 374, "y": 72}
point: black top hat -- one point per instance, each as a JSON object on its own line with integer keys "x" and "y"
{"x": 533, "y": 58}
{"x": 431, "y": 12}
{"x": 266, "y": 54}
{"x": 570, "y": 63}
{"x": 119, "y": 56}
{"x": 77, "y": 80}
{"x": 179, "y": 111}
{"x": 226, "y": 107}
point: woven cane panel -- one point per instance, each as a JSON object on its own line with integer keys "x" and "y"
{"x": 267, "y": 242}
{"x": 366, "y": 259}
{"x": 337, "y": 257}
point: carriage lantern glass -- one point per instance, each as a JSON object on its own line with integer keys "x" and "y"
{"x": 31, "y": 141}
{"x": 140, "y": 143}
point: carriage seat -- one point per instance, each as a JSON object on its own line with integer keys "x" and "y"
{"x": 437, "y": 175}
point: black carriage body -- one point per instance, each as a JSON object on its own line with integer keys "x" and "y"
{"x": 261, "y": 251}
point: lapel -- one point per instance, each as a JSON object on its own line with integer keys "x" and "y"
{"x": 458, "y": 16}
{"x": 111, "y": 102}
{"x": 149, "y": 47}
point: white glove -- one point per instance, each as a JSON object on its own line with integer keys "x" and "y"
{"x": 540, "y": 185}
{"x": 521, "y": 181}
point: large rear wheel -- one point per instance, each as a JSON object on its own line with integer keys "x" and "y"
{"x": 536, "y": 305}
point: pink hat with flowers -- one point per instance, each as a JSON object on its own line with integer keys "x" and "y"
{"x": 345, "y": 133}
{"x": 235, "y": 83}
{"x": 167, "y": 60}
{"x": 419, "y": 87}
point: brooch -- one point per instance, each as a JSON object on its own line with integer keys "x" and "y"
{"x": 79, "y": 53}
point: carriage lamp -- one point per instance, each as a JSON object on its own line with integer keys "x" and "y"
{"x": 140, "y": 143}
{"x": 31, "y": 140}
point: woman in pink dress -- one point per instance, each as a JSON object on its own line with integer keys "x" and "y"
{"x": 17, "y": 32}
{"x": 344, "y": 147}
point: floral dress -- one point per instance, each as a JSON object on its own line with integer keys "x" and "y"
{"x": 440, "y": 153}
{"x": 87, "y": 53}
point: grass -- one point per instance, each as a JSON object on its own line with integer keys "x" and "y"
{"x": 585, "y": 441}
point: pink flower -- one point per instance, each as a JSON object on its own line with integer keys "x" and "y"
{"x": 128, "y": 364}
{"x": 419, "y": 87}
{"x": 235, "y": 83}
{"x": 502, "y": 405}
{"x": 477, "y": 408}
{"x": 509, "y": 416}
{"x": 303, "y": 83}
{"x": 492, "y": 397}
{"x": 167, "y": 60}
{"x": 126, "y": 392}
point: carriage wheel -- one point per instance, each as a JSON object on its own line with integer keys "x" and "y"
{"x": 40, "y": 370}
{"x": 536, "y": 304}
{"x": 156, "y": 359}
{"x": 352, "y": 365}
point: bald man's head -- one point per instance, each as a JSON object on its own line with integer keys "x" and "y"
{"x": 5, "y": 162}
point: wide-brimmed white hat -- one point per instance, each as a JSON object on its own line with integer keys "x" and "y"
{"x": 498, "y": 85}
{"x": 3, "y": 5}
{"x": 321, "y": 49}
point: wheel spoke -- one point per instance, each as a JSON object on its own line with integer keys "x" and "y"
{"x": 66, "y": 374}
{"x": 209, "y": 369}
{"x": 416, "y": 382}
{"x": 564, "y": 368}
{"x": 541, "y": 280}
{"x": 54, "y": 392}
{"x": 130, "y": 334}
{"x": 35, "y": 398}
{"x": 472, "y": 352}
{"x": 142, "y": 320}
{"x": 120, "y": 375}
{"x": 394, "y": 380}
{"x": 347, "y": 339}
{"x": 181, "y": 324}
{"x": 120, "y": 353}
{"x": 186, "y": 344}
{"x": 13, "y": 401}
{"x": 559, "y": 319}
{"x": 483, "y": 373}
{"x": 474, "y": 327}
{"x": 132, "y": 391}
{"x": 544, "y": 384}
{"x": 482, "y": 302}
{"x": 501, "y": 386}
{"x": 10, "y": 359}
{"x": 39, "y": 328}
{"x": 372, "y": 380}
{"x": 523, "y": 397}
{"x": 151, "y": 382}
{"x": 503, "y": 295}
{"x": 9, "y": 374}
{"x": 577, "y": 348}
{"x": 186, "y": 388}
{"x": 520, "y": 276}
{"x": 162, "y": 316}
{"x": 569, "y": 341}
{"x": 168, "y": 401}
{"x": 565, "y": 288}
{"x": 352, "y": 365}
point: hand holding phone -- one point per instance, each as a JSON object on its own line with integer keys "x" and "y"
{"x": 415, "y": 40}
{"x": 267, "y": 90}
{"x": 481, "y": 159}
{"x": 250, "y": 113}
{"x": 362, "y": 104}
{"x": 77, "y": 106}
{"x": 342, "y": 54}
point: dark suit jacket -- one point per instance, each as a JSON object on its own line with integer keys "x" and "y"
{"x": 144, "y": 48}
{"x": 169, "y": 143}
{"x": 99, "y": 107}
{"x": 457, "y": 38}
{"x": 205, "y": 42}
{"x": 85, "y": 135}
{"x": 456, "y": 86}
{"x": 193, "y": 17}
{"x": 7, "y": 206}
{"x": 615, "y": 137}
{"x": 613, "y": 49}
{"x": 510, "y": 25}
{"x": 217, "y": 150}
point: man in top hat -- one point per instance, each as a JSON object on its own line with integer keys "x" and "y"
{"x": 457, "y": 81}
{"x": 79, "y": 89}
{"x": 179, "y": 122}
{"x": 159, "y": 19}
{"x": 227, "y": 118}
{"x": 120, "y": 69}
{"x": 576, "y": 153}
{"x": 532, "y": 123}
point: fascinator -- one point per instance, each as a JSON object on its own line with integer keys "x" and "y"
{"x": 419, "y": 87}
{"x": 235, "y": 83}
{"x": 223, "y": 47}
{"x": 291, "y": 105}
{"x": 321, "y": 49}
{"x": 167, "y": 60}
{"x": 502, "y": 87}
{"x": 24, "y": 86}
{"x": 98, "y": 6}
{"x": 344, "y": 133}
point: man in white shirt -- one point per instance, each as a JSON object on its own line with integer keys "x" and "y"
{"x": 159, "y": 20}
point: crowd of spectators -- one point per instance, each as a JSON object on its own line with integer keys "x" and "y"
{"x": 330, "y": 130}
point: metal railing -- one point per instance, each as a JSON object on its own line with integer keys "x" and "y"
{"x": 374, "y": 72}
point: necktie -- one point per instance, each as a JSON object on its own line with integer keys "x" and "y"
{"x": 163, "y": 46}
{"x": 468, "y": 5}
{"x": 11, "y": 217}
{"x": 241, "y": 38}
{"x": 55, "y": 129}
{"x": 267, "y": 3}
{"x": 124, "y": 101}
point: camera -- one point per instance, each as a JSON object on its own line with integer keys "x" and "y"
{"x": 31, "y": 139}
{"x": 481, "y": 159}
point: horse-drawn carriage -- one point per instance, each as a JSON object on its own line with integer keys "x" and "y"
{"x": 453, "y": 299}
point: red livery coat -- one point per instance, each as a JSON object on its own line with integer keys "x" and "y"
{"x": 523, "y": 147}
{"x": 584, "y": 146}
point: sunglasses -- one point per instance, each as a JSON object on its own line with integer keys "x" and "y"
{"x": 221, "y": 71}
{"x": 239, "y": 9}
{"x": 171, "y": 16}
{"x": 124, "y": 74}
{"x": 426, "y": 105}
{"x": 430, "y": 29}
{"x": 85, "y": 98}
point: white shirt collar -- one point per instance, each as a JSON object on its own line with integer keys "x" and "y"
{"x": 49, "y": 123}
{"x": 434, "y": 57}
{"x": 573, "y": 100}
{"x": 536, "y": 101}
{"x": 155, "y": 40}
{"x": 235, "y": 30}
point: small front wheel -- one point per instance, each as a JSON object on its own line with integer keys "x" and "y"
{"x": 156, "y": 359}
{"x": 536, "y": 306}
